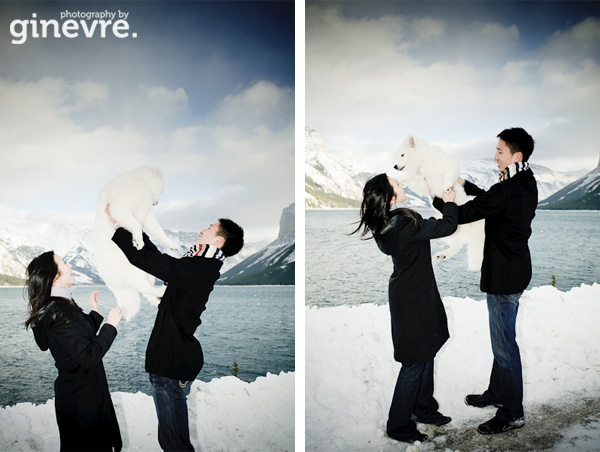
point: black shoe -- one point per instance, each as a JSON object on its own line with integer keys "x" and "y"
{"x": 408, "y": 437}
{"x": 436, "y": 420}
{"x": 478, "y": 401}
{"x": 496, "y": 425}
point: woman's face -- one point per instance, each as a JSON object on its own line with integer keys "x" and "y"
{"x": 399, "y": 194}
{"x": 65, "y": 276}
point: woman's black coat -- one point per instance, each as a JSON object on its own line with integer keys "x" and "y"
{"x": 84, "y": 410}
{"x": 419, "y": 324}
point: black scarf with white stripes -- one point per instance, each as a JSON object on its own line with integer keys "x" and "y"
{"x": 208, "y": 251}
{"x": 512, "y": 170}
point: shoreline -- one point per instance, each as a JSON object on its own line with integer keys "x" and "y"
{"x": 268, "y": 375}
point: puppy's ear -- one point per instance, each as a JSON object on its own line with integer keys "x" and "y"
{"x": 411, "y": 142}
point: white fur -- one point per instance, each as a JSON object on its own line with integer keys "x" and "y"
{"x": 131, "y": 196}
{"x": 417, "y": 161}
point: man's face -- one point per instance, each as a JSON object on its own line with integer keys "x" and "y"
{"x": 504, "y": 157}
{"x": 210, "y": 236}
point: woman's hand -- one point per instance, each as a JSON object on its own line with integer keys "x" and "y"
{"x": 114, "y": 316}
{"x": 94, "y": 301}
{"x": 449, "y": 197}
{"x": 107, "y": 210}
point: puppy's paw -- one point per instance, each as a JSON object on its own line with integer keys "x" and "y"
{"x": 138, "y": 242}
{"x": 440, "y": 256}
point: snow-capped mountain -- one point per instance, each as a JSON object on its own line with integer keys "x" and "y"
{"x": 21, "y": 242}
{"x": 274, "y": 264}
{"x": 582, "y": 194}
{"x": 328, "y": 183}
{"x": 335, "y": 179}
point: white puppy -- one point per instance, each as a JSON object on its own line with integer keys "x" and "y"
{"x": 131, "y": 196}
{"x": 418, "y": 161}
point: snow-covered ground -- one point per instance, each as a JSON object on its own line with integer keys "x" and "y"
{"x": 350, "y": 375}
{"x": 226, "y": 414}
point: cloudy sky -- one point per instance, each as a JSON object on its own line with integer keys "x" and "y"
{"x": 456, "y": 73}
{"x": 205, "y": 92}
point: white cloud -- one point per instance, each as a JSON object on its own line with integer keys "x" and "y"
{"x": 259, "y": 220}
{"x": 249, "y": 134}
{"x": 580, "y": 39}
{"x": 426, "y": 28}
{"x": 53, "y": 166}
{"x": 360, "y": 75}
{"x": 42, "y": 147}
{"x": 164, "y": 95}
{"x": 262, "y": 103}
{"x": 90, "y": 93}
{"x": 495, "y": 32}
{"x": 370, "y": 82}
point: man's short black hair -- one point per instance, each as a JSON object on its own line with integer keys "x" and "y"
{"x": 518, "y": 140}
{"x": 233, "y": 235}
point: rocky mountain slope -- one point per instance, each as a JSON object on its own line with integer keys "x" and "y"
{"x": 583, "y": 194}
{"x": 274, "y": 264}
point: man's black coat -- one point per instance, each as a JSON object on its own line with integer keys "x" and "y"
{"x": 508, "y": 208}
{"x": 172, "y": 350}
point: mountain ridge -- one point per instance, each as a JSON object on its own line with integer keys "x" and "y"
{"x": 275, "y": 262}
{"x": 582, "y": 194}
{"x": 335, "y": 179}
{"x": 21, "y": 242}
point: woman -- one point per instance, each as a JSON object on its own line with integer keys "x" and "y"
{"x": 419, "y": 325}
{"x": 84, "y": 410}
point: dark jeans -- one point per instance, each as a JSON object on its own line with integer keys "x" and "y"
{"x": 506, "y": 381}
{"x": 170, "y": 400}
{"x": 413, "y": 394}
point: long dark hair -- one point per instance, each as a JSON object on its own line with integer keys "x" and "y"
{"x": 40, "y": 275}
{"x": 375, "y": 207}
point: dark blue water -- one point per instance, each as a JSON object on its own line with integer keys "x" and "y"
{"x": 252, "y": 325}
{"x": 342, "y": 269}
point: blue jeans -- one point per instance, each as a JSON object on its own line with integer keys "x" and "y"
{"x": 413, "y": 394}
{"x": 506, "y": 380}
{"x": 170, "y": 400}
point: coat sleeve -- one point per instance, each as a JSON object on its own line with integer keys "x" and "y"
{"x": 175, "y": 271}
{"x": 88, "y": 353}
{"x": 148, "y": 243}
{"x": 472, "y": 189}
{"x": 95, "y": 320}
{"x": 488, "y": 203}
{"x": 435, "y": 228}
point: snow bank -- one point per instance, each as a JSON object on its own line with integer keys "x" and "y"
{"x": 226, "y": 414}
{"x": 350, "y": 372}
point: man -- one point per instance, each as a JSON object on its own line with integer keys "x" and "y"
{"x": 174, "y": 356}
{"x": 508, "y": 208}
